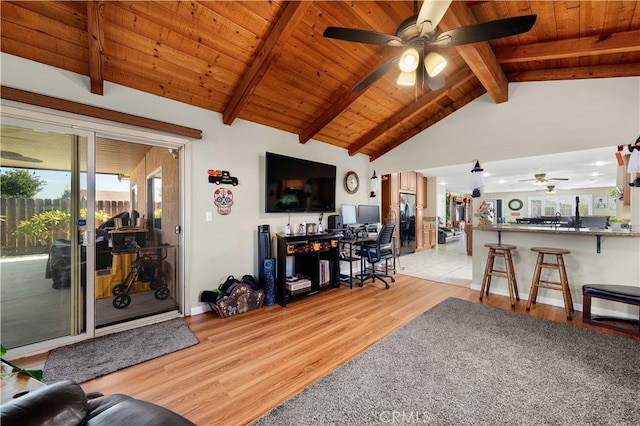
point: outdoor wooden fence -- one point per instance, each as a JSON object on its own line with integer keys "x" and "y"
{"x": 15, "y": 210}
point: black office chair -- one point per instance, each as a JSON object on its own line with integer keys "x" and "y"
{"x": 377, "y": 251}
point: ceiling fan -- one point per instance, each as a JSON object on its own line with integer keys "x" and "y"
{"x": 541, "y": 179}
{"x": 10, "y": 155}
{"x": 416, "y": 62}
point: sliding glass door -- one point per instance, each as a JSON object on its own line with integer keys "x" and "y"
{"x": 137, "y": 206}
{"x": 44, "y": 262}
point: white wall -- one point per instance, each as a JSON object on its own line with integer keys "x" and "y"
{"x": 512, "y": 215}
{"x": 539, "y": 118}
{"x": 228, "y": 244}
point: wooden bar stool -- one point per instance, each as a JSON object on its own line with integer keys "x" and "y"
{"x": 503, "y": 251}
{"x": 562, "y": 285}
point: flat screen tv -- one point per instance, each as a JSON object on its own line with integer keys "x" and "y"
{"x": 296, "y": 185}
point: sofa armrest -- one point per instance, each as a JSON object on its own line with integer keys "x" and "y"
{"x": 62, "y": 403}
{"x": 118, "y": 409}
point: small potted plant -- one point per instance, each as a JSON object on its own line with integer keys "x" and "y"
{"x": 616, "y": 224}
{"x": 36, "y": 374}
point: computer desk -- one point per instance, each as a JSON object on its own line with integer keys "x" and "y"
{"x": 358, "y": 241}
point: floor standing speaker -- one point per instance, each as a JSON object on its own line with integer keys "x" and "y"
{"x": 264, "y": 249}
{"x": 269, "y": 283}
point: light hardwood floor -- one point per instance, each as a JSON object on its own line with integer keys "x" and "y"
{"x": 247, "y": 364}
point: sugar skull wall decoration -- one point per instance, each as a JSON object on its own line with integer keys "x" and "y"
{"x": 223, "y": 199}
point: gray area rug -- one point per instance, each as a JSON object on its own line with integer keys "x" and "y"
{"x": 103, "y": 355}
{"x": 462, "y": 363}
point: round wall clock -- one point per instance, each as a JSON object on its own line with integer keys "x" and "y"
{"x": 515, "y": 204}
{"x": 351, "y": 182}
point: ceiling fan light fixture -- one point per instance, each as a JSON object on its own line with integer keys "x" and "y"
{"x": 407, "y": 78}
{"x": 409, "y": 60}
{"x": 434, "y": 63}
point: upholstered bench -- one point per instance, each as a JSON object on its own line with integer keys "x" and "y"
{"x": 616, "y": 293}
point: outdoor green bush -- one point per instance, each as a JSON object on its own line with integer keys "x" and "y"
{"x": 40, "y": 227}
{"x": 101, "y": 216}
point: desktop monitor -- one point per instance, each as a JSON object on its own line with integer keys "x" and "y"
{"x": 349, "y": 215}
{"x": 368, "y": 214}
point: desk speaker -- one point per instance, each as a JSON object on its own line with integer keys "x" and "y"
{"x": 335, "y": 221}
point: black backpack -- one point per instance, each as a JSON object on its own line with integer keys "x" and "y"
{"x": 251, "y": 281}
{"x": 225, "y": 287}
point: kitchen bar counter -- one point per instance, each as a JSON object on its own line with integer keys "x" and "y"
{"x": 556, "y": 230}
{"x": 598, "y": 233}
{"x": 597, "y": 257}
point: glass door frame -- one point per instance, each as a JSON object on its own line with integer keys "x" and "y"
{"x": 87, "y": 313}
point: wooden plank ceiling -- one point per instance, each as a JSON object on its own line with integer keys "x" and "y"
{"x": 267, "y": 62}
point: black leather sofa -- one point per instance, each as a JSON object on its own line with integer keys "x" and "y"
{"x": 65, "y": 404}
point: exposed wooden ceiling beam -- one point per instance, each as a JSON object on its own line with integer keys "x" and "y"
{"x": 414, "y": 109}
{"x": 601, "y": 71}
{"x": 58, "y": 104}
{"x": 624, "y": 42}
{"x": 478, "y": 56}
{"x": 468, "y": 98}
{"x": 343, "y": 102}
{"x": 266, "y": 56}
{"x": 95, "y": 30}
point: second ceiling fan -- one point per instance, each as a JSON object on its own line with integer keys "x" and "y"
{"x": 416, "y": 62}
{"x": 541, "y": 179}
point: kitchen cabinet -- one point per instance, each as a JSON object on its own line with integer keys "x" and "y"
{"x": 433, "y": 230}
{"x": 420, "y": 241}
{"x": 429, "y": 230}
{"x": 408, "y": 181}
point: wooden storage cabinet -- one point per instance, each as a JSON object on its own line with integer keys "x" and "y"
{"x": 306, "y": 253}
{"x": 430, "y": 230}
{"x": 429, "y": 235}
{"x": 408, "y": 181}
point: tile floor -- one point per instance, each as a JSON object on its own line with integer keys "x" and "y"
{"x": 447, "y": 263}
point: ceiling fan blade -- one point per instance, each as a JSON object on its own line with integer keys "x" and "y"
{"x": 558, "y": 178}
{"x": 485, "y": 31}
{"x": 431, "y": 14}
{"x": 375, "y": 75}
{"x": 362, "y": 36}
